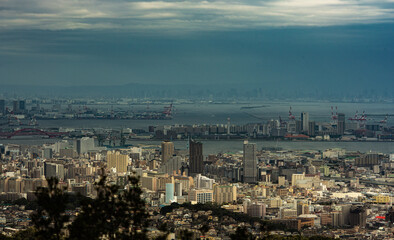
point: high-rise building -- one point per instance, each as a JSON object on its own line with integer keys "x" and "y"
{"x": 47, "y": 153}
{"x": 149, "y": 183}
{"x": 203, "y": 182}
{"x": 296, "y": 177}
{"x": 345, "y": 215}
{"x": 325, "y": 219}
{"x": 341, "y": 124}
{"x": 19, "y": 106}
{"x": 174, "y": 164}
{"x": 118, "y": 161}
{"x": 53, "y": 170}
{"x": 225, "y": 193}
{"x": 68, "y": 153}
{"x": 357, "y": 216}
{"x": 250, "y": 163}
{"x": 2, "y": 107}
{"x": 368, "y": 160}
{"x": 196, "y": 159}
{"x": 281, "y": 180}
{"x": 298, "y": 126}
{"x": 311, "y": 129}
{"x": 201, "y": 195}
{"x": 302, "y": 208}
{"x": 336, "y": 219}
{"x": 390, "y": 215}
{"x": 170, "y": 197}
{"x": 22, "y": 105}
{"x": 178, "y": 189}
{"x": 256, "y": 210}
{"x": 83, "y": 145}
{"x": 15, "y": 106}
{"x": 167, "y": 151}
{"x": 305, "y": 121}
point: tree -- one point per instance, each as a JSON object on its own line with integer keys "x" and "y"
{"x": 115, "y": 213}
{"x": 24, "y": 234}
{"x": 163, "y": 228}
{"x": 185, "y": 235}
{"x": 50, "y": 217}
{"x": 242, "y": 233}
{"x": 204, "y": 229}
{"x": 21, "y": 202}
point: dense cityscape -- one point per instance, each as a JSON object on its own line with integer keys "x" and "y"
{"x": 333, "y": 193}
{"x": 196, "y": 120}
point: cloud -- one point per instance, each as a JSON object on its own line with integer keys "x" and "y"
{"x": 189, "y": 14}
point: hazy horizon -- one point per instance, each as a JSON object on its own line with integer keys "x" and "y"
{"x": 294, "y": 48}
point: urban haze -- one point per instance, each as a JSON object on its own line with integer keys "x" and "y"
{"x": 222, "y": 119}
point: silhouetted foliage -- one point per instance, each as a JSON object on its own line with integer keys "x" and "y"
{"x": 216, "y": 209}
{"x": 21, "y": 202}
{"x": 74, "y": 200}
{"x": 242, "y": 233}
{"x": 31, "y": 205}
{"x": 204, "y": 229}
{"x": 114, "y": 214}
{"x": 4, "y": 237}
{"x": 25, "y": 234}
{"x": 20, "y": 235}
{"x": 50, "y": 217}
{"x": 163, "y": 228}
{"x": 185, "y": 235}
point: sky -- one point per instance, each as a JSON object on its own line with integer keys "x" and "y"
{"x": 280, "y": 43}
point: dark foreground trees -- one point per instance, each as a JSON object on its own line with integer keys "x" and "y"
{"x": 242, "y": 233}
{"x": 50, "y": 217}
{"x": 115, "y": 214}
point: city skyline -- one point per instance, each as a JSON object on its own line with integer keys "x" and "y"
{"x": 181, "y": 119}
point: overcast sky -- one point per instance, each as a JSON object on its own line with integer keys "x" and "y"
{"x": 283, "y": 42}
